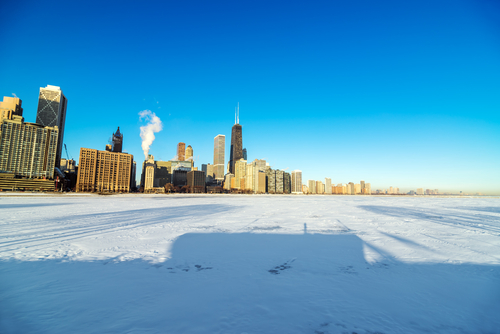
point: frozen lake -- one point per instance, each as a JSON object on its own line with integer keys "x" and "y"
{"x": 249, "y": 264}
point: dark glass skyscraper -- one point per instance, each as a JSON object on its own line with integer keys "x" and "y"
{"x": 117, "y": 141}
{"x": 236, "y": 147}
{"x": 52, "y": 112}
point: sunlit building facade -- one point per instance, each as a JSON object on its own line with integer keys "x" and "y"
{"x": 51, "y": 112}
{"x": 104, "y": 171}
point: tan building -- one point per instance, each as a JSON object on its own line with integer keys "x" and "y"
{"x": 149, "y": 174}
{"x": 219, "y": 150}
{"x": 261, "y": 188}
{"x": 9, "y": 107}
{"x": 228, "y": 181}
{"x": 103, "y": 171}
{"x": 312, "y": 186}
{"x": 296, "y": 182}
{"x": 28, "y": 149}
{"x": 328, "y": 185}
{"x": 357, "y": 188}
{"x": 240, "y": 172}
{"x": 181, "y": 151}
{"x": 320, "y": 187}
{"x": 189, "y": 153}
{"x": 249, "y": 176}
{"x": 210, "y": 172}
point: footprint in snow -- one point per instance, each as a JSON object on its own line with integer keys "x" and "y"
{"x": 276, "y": 270}
{"x": 186, "y": 269}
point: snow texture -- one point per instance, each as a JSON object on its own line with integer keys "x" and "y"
{"x": 249, "y": 264}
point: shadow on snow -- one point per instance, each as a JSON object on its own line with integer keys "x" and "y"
{"x": 250, "y": 282}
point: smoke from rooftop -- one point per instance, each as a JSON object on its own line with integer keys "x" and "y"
{"x": 148, "y": 130}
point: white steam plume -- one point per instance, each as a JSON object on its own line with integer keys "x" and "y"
{"x": 148, "y": 130}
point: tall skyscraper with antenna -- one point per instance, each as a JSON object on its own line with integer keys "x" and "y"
{"x": 236, "y": 152}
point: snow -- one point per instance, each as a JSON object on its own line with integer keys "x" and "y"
{"x": 249, "y": 264}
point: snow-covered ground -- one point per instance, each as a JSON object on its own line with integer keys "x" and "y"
{"x": 249, "y": 264}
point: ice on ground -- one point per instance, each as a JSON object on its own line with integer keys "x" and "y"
{"x": 249, "y": 264}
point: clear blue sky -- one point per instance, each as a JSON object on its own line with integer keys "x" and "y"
{"x": 396, "y": 93}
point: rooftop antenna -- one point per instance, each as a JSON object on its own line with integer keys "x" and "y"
{"x": 238, "y": 113}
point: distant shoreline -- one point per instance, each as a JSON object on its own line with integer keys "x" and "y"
{"x": 82, "y": 194}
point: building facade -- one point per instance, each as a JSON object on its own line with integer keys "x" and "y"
{"x": 270, "y": 181}
{"x": 312, "y": 186}
{"x": 28, "y": 149}
{"x": 189, "y": 153}
{"x": 296, "y": 182}
{"x": 236, "y": 152}
{"x": 104, "y": 171}
{"x": 328, "y": 185}
{"x": 9, "y": 107}
{"x": 117, "y": 141}
{"x": 51, "y": 112}
{"x": 219, "y": 156}
{"x": 196, "y": 180}
{"x": 240, "y": 173}
{"x": 181, "y": 151}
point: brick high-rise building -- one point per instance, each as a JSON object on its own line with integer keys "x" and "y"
{"x": 181, "y": 152}
{"x": 51, "y": 112}
{"x": 104, "y": 171}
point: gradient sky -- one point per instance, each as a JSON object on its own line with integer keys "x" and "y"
{"x": 396, "y": 93}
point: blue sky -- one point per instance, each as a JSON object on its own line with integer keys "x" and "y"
{"x": 396, "y": 93}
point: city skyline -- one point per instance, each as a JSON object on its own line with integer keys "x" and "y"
{"x": 405, "y": 107}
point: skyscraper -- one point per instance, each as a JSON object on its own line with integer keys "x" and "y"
{"x": 181, "y": 152}
{"x": 312, "y": 186}
{"x": 351, "y": 188}
{"x": 236, "y": 152}
{"x": 328, "y": 185}
{"x": 52, "y": 112}
{"x": 296, "y": 182}
{"x": 27, "y": 149}
{"x": 104, "y": 171}
{"x": 9, "y": 107}
{"x": 240, "y": 172}
{"x": 189, "y": 153}
{"x": 117, "y": 141}
{"x": 219, "y": 148}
